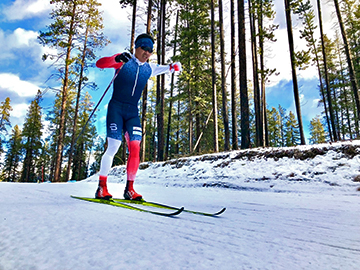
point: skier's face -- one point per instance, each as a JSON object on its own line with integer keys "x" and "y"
{"x": 142, "y": 55}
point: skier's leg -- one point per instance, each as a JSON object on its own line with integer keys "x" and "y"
{"x": 105, "y": 166}
{"x": 108, "y": 157}
{"x": 132, "y": 168}
{"x": 133, "y": 135}
{"x": 114, "y": 126}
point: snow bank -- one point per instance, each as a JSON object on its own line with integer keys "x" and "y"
{"x": 300, "y": 168}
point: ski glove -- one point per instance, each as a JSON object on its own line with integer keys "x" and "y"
{"x": 175, "y": 67}
{"x": 124, "y": 57}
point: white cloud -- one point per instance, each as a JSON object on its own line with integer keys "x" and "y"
{"x": 19, "y": 110}
{"x": 19, "y": 44}
{"x": 22, "y": 38}
{"x": 12, "y": 83}
{"x": 115, "y": 17}
{"x": 24, "y": 9}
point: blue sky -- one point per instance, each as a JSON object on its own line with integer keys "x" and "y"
{"x": 22, "y": 72}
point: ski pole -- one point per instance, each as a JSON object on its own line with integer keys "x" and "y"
{"x": 97, "y": 105}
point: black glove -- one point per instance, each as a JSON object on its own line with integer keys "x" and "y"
{"x": 124, "y": 57}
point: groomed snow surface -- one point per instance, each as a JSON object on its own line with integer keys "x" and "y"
{"x": 279, "y": 215}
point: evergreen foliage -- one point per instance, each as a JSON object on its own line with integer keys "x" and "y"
{"x": 13, "y": 157}
{"x": 317, "y": 132}
{"x": 5, "y": 110}
{"x": 31, "y": 135}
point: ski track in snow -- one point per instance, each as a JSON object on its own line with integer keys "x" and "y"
{"x": 41, "y": 227}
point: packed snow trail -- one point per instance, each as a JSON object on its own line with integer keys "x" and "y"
{"x": 41, "y": 227}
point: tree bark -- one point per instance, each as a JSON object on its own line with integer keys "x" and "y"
{"x": 60, "y": 141}
{"x": 223, "y": 79}
{"x": 213, "y": 76}
{"x": 293, "y": 70}
{"x": 353, "y": 80}
{"x": 244, "y": 99}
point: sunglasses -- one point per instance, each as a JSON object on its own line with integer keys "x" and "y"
{"x": 147, "y": 49}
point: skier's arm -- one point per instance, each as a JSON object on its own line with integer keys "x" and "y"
{"x": 115, "y": 61}
{"x": 161, "y": 69}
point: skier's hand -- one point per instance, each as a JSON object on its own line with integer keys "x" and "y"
{"x": 175, "y": 67}
{"x": 124, "y": 57}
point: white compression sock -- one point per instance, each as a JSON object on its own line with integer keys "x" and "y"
{"x": 108, "y": 157}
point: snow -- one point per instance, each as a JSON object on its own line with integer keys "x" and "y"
{"x": 282, "y": 213}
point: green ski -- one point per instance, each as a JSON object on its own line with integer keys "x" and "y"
{"x": 158, "y": 205}
{"x": 127, "y": 206}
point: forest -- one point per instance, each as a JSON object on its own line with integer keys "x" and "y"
{"x": 214, "y": 105}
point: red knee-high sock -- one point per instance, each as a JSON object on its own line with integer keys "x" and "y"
{"x": 133, "y": 161}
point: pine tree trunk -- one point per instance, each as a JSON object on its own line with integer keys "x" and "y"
{"x": 258, "y": 132}
{"x": 333, "y": 133}
{"x": 264, "y": 140}
{"x": 317, "y": 60}
{"x": 346, "y": 101}
{"x": 145, "y": 94}
{"x": 133, "y": 26}
{"x": 60, "y": 142}
{"x": 161, "y": 83}
{"x": 74, "y": 129}
{"x": 244, "y": 99}
{"x": 293, "y": 69}
{"x": 213, "y": 75}
{"x": 171, "y": 93}
{"x": 235, "y": 143}
{"x": 353, "y": 80}
{"x": 223, "y": 79}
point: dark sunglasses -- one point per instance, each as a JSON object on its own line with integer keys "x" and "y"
{"x": 147, "y": 49}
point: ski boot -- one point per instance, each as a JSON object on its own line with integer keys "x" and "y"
{"x": 102, "y": 191}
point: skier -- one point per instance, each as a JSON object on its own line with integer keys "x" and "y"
{"x": 133, "y": 72}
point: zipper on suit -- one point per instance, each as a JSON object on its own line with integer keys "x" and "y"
{"x": 136, "y": 79}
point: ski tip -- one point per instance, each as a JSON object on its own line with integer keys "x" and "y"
{"x": 220, "y": 212}
{"x": 178, "y": 211}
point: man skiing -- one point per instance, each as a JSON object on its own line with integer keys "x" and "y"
{"x": 133, "y": 72}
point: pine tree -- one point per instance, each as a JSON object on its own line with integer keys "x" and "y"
{"x": 283, "y": 117}
{"x": 274, "y": 131}
{"x": 193, "y": 82}
{"x": 244, "y": 99}
{"x": 329, "y": 116}
{"x": 292, "y": 136}
{"x": 69, "y": 21}
{"x": 294, "y": 60}
{"x": 351, "y": 11}
{"x": 262, "y": 27}
{"x": 92, "y": 39}
{"x": 213, "y": 76}
{"x": 317, "y": 132}
{"x": 224, "y": 92}
{"x": 32, "y": 141}
{"x": 5, "y": 110}
{"x": 349, "y": 60}
{"x": 13, "y": 156}
{"x": 150, "y": 127}
{"x": 234, "y": 113}
{"x": 85, "y": 142}
{"x": 43, "y": 166}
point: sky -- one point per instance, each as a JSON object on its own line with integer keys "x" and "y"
{"x": 22, "y": 71}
